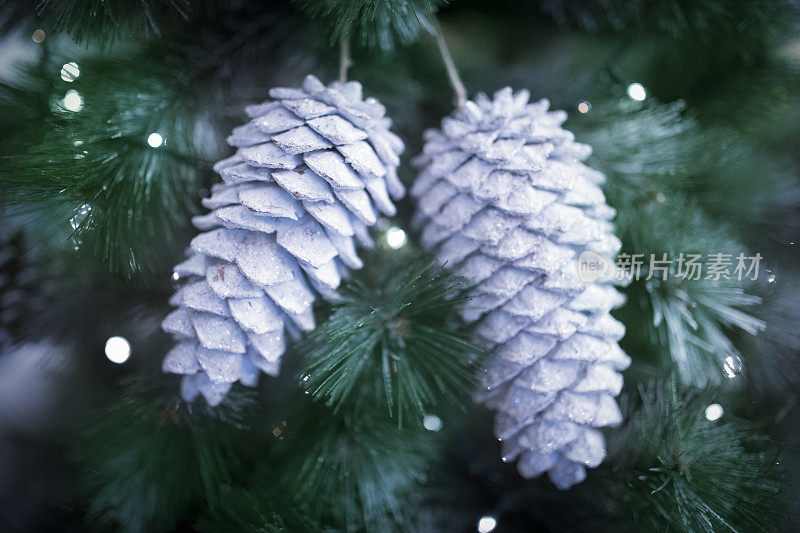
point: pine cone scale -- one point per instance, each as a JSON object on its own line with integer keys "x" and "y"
{"x": 504, "y": 200}
{"x": 312, "y": 170}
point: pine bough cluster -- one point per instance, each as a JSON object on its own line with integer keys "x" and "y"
{"x": 505, "y": 200}
{"x": 312, "y": 170}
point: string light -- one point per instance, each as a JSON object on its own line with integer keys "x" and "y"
{"x": 70, "y": 71}
{"x": 486, "y": 524}
{"x": 118, "y": 349}
{"x": 732, "y": 366}
{"x": 395, "y": 237}
{"x": 80, "y": 215}
{"x": 73, "y": 101}
{"x": 155, "y": 140}
{"x": 714, "y": 412}
{"x": 637, "y": 92}
{"x": 432, "y": 423}
{"x": 584, "y": 107}
{"x": 38, "y": 36}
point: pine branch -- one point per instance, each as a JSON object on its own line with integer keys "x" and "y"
{"x": 90, "y": 144}
{"x": 693, "y": 320}
{"x": 375, "y": 23}
{"x": 393, "y": 335}
{"x": 143, "y": 463}
{"x": 21, "y": 295}
{"x": 772, "y": 361}
{"x": 262, "y": 507}
{"x": 353, "y": 471}
{"x": 674, "y": 467}
{"x": 660, "y": 163}
{"x": 105, "y": 22}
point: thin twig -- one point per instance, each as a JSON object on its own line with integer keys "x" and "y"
{"x": 345, "y": 62}
{"x": 452, "y": 73}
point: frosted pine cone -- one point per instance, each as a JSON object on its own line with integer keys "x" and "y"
{"x": 504, "y": 200}
{"x": 312, "y": 169}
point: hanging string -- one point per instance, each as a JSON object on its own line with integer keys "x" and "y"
{"x": 452, "y": 73}
{"x": 344, "y": 56}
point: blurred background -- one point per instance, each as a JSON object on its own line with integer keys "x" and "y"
{"x": 110, "y": 119}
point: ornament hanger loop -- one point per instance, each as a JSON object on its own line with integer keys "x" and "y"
{"x": 452, "y": 72}
{"x": 345, "y": 62}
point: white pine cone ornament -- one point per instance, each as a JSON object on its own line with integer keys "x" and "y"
{"x": 504, "y": 200}
{"x": 312, "y": 170}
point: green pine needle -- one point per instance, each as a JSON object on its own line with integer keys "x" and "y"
{"x": 392, "y": 340}
{"x": 143, "y": 464}
{"x": 650, "y": 151}
{"x": 694, "y": 319}
{"x": 261, "y": 507}
{"x": 376, "y": 23}
{"x": 711, "y": 20}
{"x": 91, "y": 154}
{"x": 358, "y": 472}
{"x": 676, "y": 469}
{"x": 665, "y": 175}
{"x": 93, "y": 20}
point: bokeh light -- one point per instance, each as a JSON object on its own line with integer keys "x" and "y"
{"x": 70, "y": 71}
{"x": 73, "y": 101}
{"x": 714, "y": 412}
{"x": 637, "y": 92}
{"x": 118, "y": 349}
{"x": 155, "y": 140}
{"x": 432, "y": 423}
{"x": 395, "y": 237}
{"x": 486, "y": 524}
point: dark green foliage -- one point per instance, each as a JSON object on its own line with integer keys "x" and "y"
{"x": 20, "y": 296}
{"x": 692, "y": 319}
{"x": 392, "y": 335}
{"x": 157, "y": 464}
{"x": 264, "y": 506}
{"x": 87, "y": 20}
{"x": 656, "y": 160}
{"x": 676, "y": 19}
{"x": 145, "y": 463}
{"x": 375, "y": 23}
{"x": 366, "y": 469}
{"x": 122, "y": 192}
{"x": 318, "y": 470}
{"x": 774, "y": 364}
{"x": 712, "y": 170}
{"x": 644, "y": 150}
{"x": 676, "y": 469}
{"x": 652, "y": 150}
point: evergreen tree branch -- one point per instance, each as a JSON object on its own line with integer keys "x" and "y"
{"x": 143, "y": 463}
{"x": 393, "y": 335}
{"x": 358, "y": 472}
{"x": 675, "y": 467}
{"x": 105, "y": 22}
{"x": 376, "y": 23}
{"x": 655, "y": 158}
{"x": 118, "y": 145}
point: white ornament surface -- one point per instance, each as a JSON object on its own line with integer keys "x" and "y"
{"x": 504, "y": 199}
{"x": 313, "y": 168}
